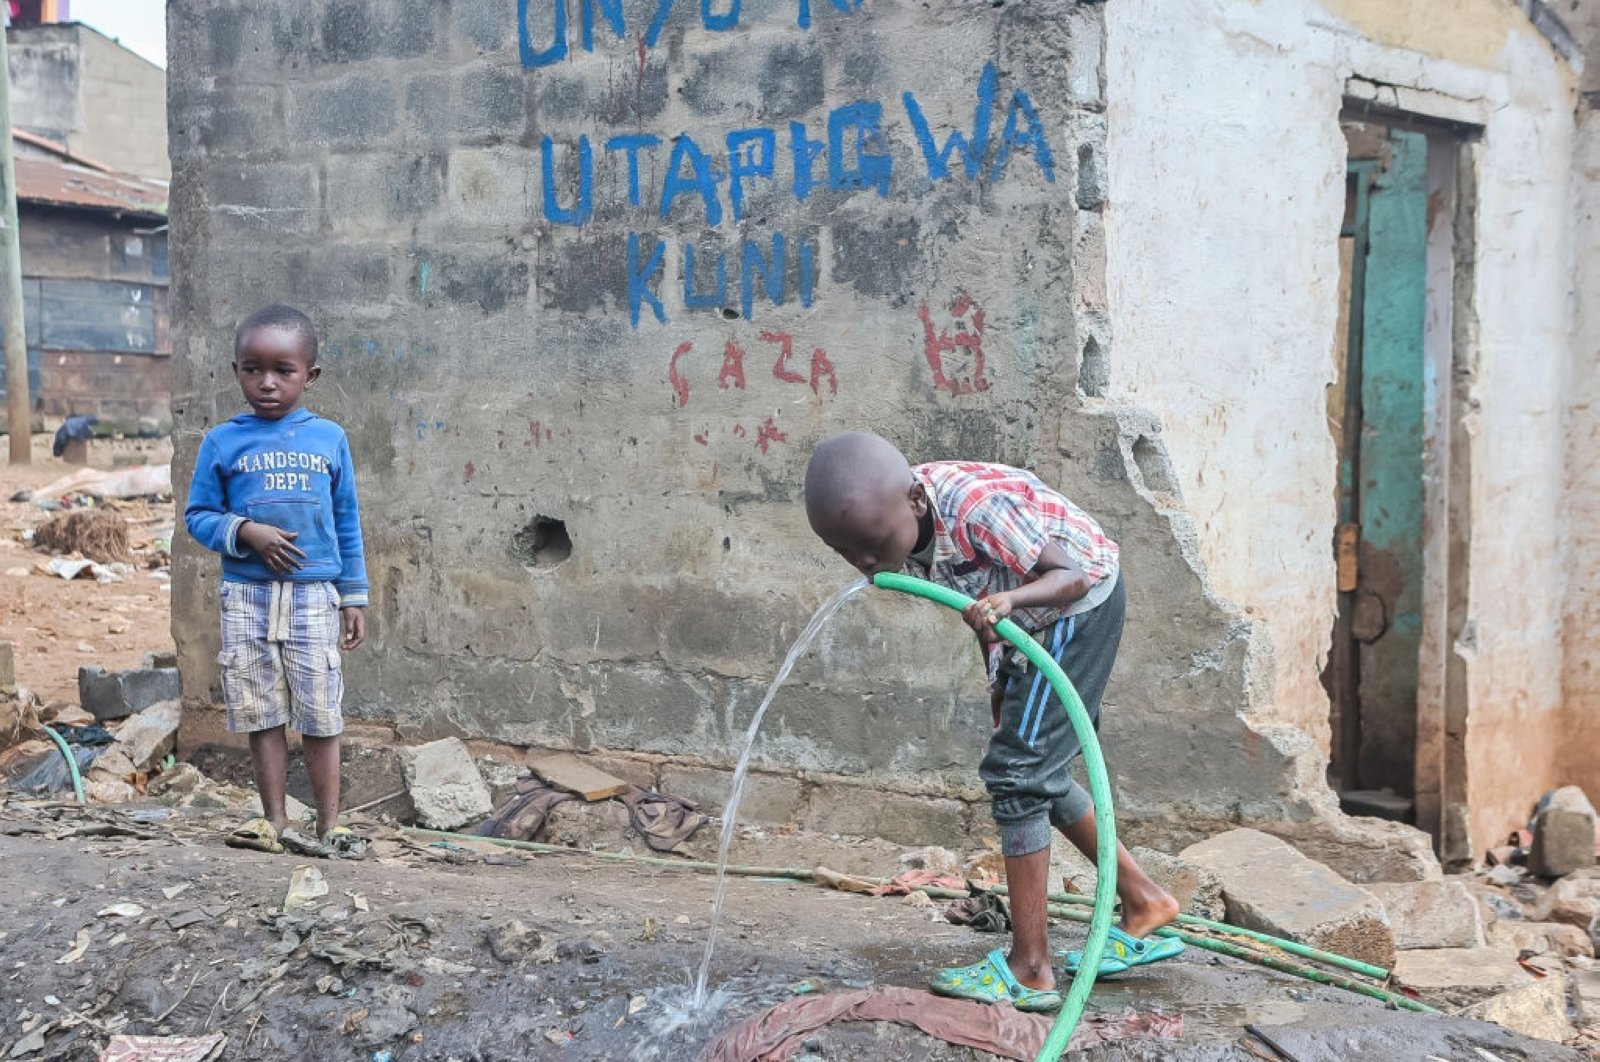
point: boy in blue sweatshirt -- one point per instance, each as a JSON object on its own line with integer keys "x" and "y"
{"x": 274, "y": 492}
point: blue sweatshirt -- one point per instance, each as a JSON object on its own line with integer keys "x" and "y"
{"x": 295, "y": 474}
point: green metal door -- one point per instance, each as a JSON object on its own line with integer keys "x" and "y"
{"x": 1375, "y": 658}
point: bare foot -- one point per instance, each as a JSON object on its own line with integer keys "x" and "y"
{"x": 1148, "y": 911}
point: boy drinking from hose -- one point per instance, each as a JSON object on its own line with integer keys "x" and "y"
{"x": 1022, "y": 551}
{"x": 274, "y": 492}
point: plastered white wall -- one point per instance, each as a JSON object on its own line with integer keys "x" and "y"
{"x": 1226, "y": 168}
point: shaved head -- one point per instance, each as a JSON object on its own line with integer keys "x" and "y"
{"x": 863, "y": 501}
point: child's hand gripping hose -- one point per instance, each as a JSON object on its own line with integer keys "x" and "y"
{"x": 1105, "y": 891}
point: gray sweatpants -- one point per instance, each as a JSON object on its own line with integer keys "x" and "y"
{"x": 1026, "y": 766}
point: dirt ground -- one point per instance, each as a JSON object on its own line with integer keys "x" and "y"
{"x": 432, "y": 952}
{"x": 56, "y": 626}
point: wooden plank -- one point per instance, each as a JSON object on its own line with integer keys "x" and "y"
{"x": 569, "y": 773}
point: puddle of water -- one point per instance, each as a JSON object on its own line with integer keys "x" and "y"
{"x": 678, "y": 1022}
{"x": 730, "y": 812}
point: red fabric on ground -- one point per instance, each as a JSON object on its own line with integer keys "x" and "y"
{"x": 1000, "y": 1030}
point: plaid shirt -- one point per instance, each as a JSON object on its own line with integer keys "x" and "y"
{"x": 991, "y": 523}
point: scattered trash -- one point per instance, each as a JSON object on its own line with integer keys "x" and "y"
{"x": 636, "y": 1004}
{"x": 306, "y": 886}
{"x": 984, "y": 912}
{"x": 140, "y": 481}
{"x": 120, "y": 910}
{"x": 353, "y": 1020}
{"x": 97, "y": 535}
{"x": 164, "y": 1048}
{"x": 807, "y": 987}
{"x": 358, "y": 900}
{"x": 80, "y": 944}
{"x": 172, "y": 892}
{"x": 559, "y": 1037}
{"x": 69, "y": 570}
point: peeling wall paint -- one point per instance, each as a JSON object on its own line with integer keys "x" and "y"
{"x": 1226, "y": 171}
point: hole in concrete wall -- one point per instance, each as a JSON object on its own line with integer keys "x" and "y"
{"x": 727, "y": 544}
{"x": 1154, "y": 467}
{"x": 1090, "y": 190}
{"x": 730, "y": 314}
{"x": 1095, "y": 372}
{"x": 544, "y": 543}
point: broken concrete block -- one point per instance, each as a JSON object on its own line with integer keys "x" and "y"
{"x": 1197, "y": 890}
{"x": 161, "y": 660}
{"x": 1431, "y": 914}
{"x": 1364, "y": 850}
{"x": 181, "y": 780}
{"x": 445, "y": 785}
{"x": 1460, "y": 976}
{"x": 1563, "y": 834}
{"x": 1541, "y": 938}
{"x": 147, "y": 738}
{"x": 1537, "y": 1009}
{"x": 114, "y": 762}
{"x": 103, "y": 788}
{"x": 1573, "y": 900}
{"x": 1269, "y": 886}
{"x": 118, "y": 694}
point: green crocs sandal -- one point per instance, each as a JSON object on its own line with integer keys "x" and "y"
{"x": 991, "y": 981}
{"x": 1124, "y": 952}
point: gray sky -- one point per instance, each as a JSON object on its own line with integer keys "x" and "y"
{"x": 140, "y": 25}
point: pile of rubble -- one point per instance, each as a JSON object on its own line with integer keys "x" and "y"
{"x": 1514, "y": 945}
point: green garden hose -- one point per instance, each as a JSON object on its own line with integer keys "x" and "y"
{"x": 72, "y": 764}
{"x": 1105, "y": 890}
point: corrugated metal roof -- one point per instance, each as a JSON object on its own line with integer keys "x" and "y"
{"x": 42, "y": 180}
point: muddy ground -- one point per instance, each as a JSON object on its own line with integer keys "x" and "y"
{"x": 416, "y": 953}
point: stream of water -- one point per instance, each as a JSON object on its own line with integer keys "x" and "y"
{"x": 730, "y": 812}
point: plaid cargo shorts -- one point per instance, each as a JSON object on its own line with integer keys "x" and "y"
{"x": 280, "y": 657}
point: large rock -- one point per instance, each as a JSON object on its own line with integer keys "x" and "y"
{"x": 1537, "y": 1009}
{"x": 148, "y": 737}
{"x": 1542, "y": 938}
{"x": 445, "y": 786}
{"x": 1363, "y": 850}
{"x": 1563, "y": 834}
{"x": 1431, "y": 914}
{"x": 118, "y": 694}
{"x": 1460, "y": 976}
{"x": 1269, "y": 886}
{"x": 1573, "y": 900}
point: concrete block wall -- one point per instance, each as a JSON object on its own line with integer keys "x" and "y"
{"x": 551, "y": 293}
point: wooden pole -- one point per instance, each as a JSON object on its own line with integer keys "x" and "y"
{"x": 19, "y": 407}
